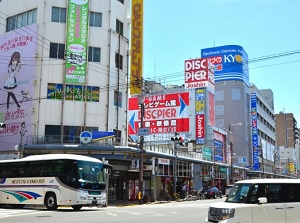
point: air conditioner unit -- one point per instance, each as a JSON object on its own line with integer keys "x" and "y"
{"x": 34, "y": 81}
{"x": 33, "y": 109}
{"x": 36, "y": 54}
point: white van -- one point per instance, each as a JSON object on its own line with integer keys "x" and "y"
{"x": 259, "y": 200}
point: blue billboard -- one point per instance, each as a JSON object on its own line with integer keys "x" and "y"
{"x": 230, "y": 62}
{"x": 256, "y": 165}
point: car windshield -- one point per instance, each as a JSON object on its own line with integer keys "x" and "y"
{"x": 238, "y": 193}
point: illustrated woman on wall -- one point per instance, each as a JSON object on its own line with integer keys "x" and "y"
{"x": 11, "y": 82}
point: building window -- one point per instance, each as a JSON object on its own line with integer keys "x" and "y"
{"x": 94, "y": 54}
{"x": 21, "y": 20}
{"x": 57, "y": 50}
{"x": 236, "y": 94}
{"x": 119, "y": 61}
{"x": 59, "y": 14}
{"x": 119, "y": 27}
{"x": 122, "y": 1}
{"x": 96, "y": 19}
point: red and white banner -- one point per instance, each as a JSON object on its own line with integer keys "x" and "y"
{"x": 199, "y": 73}
{"x": 163, "y": 113}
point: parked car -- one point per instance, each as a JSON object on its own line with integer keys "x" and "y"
{"x": 227, "y": 189}
{"x": 213, "y": 192}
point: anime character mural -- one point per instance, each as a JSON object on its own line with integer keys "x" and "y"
{"x": 14, "y": 67}
{"x": 17, "y": 86}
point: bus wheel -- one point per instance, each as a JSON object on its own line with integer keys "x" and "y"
{"x": 50, "y": 201}
{"x": 77, "y": 207}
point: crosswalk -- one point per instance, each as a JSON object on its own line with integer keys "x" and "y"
{"x": 7, "y": 212}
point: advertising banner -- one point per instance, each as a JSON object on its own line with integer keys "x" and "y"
{"x": 17, "y": 52}
{"x": 136, "y": 59}
{"x": 200, "y": 115}
{"x": 165, "y": 113}
{"x": 230, "y": 62}
{"x": 199, "y": 73}
{"x": 76, "y": 44}
{"x": 255, "y": 148}
{"x": 219, "y": 142}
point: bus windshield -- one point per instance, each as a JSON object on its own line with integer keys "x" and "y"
{"x": 90, "y": 175}
{"x": 238, "y": 193}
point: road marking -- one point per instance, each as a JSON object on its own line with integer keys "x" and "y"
{"x": 5, "y": 213}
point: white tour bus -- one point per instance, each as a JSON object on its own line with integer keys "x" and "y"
{"x": 53, "y": 180}
{"x": 259, "y": 200}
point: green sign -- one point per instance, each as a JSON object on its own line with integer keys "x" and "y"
{"x": 76, "y": 45}
{"x": 206, "y": 154}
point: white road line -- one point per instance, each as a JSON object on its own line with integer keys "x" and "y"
{"x": 12, "y": 213}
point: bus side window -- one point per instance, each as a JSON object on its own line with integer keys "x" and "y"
{"x": 3, "y": 170}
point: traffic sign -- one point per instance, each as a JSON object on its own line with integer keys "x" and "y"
{"x": 143, "y": 131}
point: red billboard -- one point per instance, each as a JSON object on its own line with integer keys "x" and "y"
{"x": 164, "y": 113}
{"x": 199, "y": 73}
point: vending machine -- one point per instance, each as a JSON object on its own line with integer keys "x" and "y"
{"x": 133, "y": 189}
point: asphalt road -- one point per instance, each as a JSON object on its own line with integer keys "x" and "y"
{"x": 173, "y": 212}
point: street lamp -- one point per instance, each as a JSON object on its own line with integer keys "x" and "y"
{"x": 231, "y": 150}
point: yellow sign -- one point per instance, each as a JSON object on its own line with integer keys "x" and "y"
{"x": 136, "y": 62}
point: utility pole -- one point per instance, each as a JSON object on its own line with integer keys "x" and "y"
{"x": 141, "y": 175}
{"x": 231, "y": 151}
{"x": 178, "y": 140}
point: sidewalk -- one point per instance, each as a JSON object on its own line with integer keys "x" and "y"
{"x": 121, "y": 203}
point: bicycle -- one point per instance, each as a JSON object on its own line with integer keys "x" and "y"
{"x": 164, "y": 196}
{"x": 176, "y": 197}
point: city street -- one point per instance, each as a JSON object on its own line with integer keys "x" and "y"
{"x": 175, "y": 212}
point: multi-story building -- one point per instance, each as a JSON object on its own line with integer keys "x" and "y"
{"x": 287, "y": 134}
{"x": 265, "y": 127}
{"x": 70, "y": 73}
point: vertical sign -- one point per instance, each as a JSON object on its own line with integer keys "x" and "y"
{"x": 254, "y": 133}
{"x": 76, "y": 44}
{"x": 199, "y": 115}
{"x": 136, "y": 62}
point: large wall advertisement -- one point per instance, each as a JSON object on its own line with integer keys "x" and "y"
{"x": 17, "y": 56}
{"x": 230, "y": 62}
{"x": 136, "y": 59}
{"x": 76, "y": 44}
{"x": 165, "y": 113}
{"x": 255, "y": 149}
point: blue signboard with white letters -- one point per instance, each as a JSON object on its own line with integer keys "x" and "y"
{"x": 230, "y": 62}
{"x": 256, "y": 165}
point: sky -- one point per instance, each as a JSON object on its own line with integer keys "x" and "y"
{"x": 268, "y": 30}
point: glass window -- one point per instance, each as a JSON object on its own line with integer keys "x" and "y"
{"x": 58, "y": 14}
{"x": 94, "y": 54}
{"x": 57, "y": 50}
{"x": 119, "y": 27}
{"x": 292, "y": 193}
{"x": 95, "y": 19}
{"x": 119, "y": 61}
{"x": 21, "y": 20}
{"x": 236, "y": 94}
